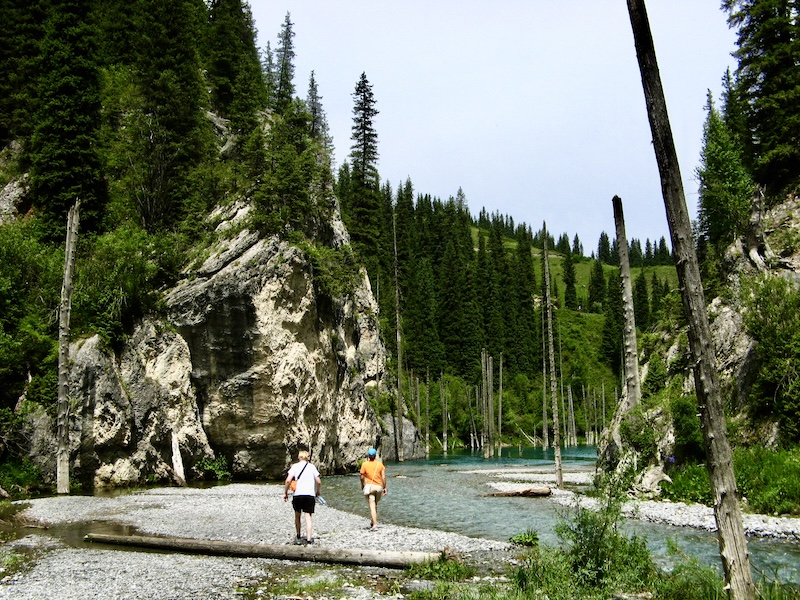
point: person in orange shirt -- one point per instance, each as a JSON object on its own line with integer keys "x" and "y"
{"x": 373, "y": 484}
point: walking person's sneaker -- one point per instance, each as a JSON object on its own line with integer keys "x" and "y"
{"x": 298, "y": 541}
{"x": 310, "y": 542}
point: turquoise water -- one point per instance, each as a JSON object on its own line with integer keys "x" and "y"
{"x": 450, "y": 493}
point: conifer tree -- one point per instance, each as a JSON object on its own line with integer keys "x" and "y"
{"x": 611, "y": 345}
{"x": 568, "y": 277}
{"x": 604, "y": 249}
{"x": 641, "y": 301}
{"x": 597, "y": 287}
{"x": 64, "y": 160}
{"x": 769, "y": 80}
{"x": 170, "y": 137}
{"x": 19, "y": 48}
{"x": 725, "y": 186}
{"x": 284, "y": 66}
{"x": 234, "y": 69}
{"x": 364, "y": 221}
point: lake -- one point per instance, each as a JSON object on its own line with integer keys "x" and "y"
{"x": 451, "y": 493}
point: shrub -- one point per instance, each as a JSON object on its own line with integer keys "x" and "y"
{"x": 770, "y": 480}
{"x": 442, "y": 569}
{"x": 688, "y": 446}
{"x": 690, "y": 483}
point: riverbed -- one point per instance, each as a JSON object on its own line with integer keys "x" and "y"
{"x": 443, "y": 502}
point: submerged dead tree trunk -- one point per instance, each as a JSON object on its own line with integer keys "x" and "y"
{"x": 552, "y": 355}
{"x": 727, "y": 512}
{"x": 62, "y": 419}
{"x": 398, "y": 430}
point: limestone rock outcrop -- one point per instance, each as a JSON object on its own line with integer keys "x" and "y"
{"x": 248, "y": 363}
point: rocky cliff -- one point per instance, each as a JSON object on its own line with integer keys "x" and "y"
{"x": 249, "y": 363}
{"x": 770, "y": 248}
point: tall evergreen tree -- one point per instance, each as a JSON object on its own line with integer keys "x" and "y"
{"x": 725, "y": 186}
{"x": 577, "y": 246}
{"x": 597, "y": 287}
{"x": 19, "y": 49}
{"x": 604, "y": 249}
{"x": 64, "y": 160}
{"x": 364, "y": 218}
{"x": 568, "y": 277}
{"x": 769, "y": 53}
{"x": 284, "y": 66}
{"x": 234, "y": 71}
{"x": 613, "y": 325}
{"x": 641, "y": 301}
{"x": 169, "y": 137}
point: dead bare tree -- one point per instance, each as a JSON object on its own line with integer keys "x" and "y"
{"x": 62, "y": 419}
{"x": 400, "y": 405}
{"x": 552, "y": 355}
{"x": 727, "y": 512}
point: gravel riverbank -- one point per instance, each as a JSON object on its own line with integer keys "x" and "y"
{"x": 238, "y": 512}
{"x": 256, "y": 513}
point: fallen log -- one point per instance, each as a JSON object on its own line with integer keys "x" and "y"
{"x": 357, "y": 556}
{"x": 528, "y": 492}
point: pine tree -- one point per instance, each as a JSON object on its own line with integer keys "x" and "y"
{"x": 364, "y": 206}
{"x": 641, "y": 301}
{"x": 234, "y": 71}
{"x": 725, "y": 186}
{"x": 19, "y": 48}
{"x": 284, "y": 66}
{"x": 769, "y": 81}
{"x": 611, "y": 345}
{"x": 604, "y": 249}
{"x": 577, "y": 247}
{"x": 568, "y": 277}
{"x": 597, "y": 287}
{"x": 169, "y": 138}
{"x": 64, "y": 160}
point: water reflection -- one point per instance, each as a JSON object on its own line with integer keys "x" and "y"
{"x": 451, "y": 493}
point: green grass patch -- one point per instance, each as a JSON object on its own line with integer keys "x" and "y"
{"x": 442, "y": 569}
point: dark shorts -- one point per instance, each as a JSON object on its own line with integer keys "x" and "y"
{"x": 304, "y": 504}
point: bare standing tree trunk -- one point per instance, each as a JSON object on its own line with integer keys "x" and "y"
{"x": 444, "y": 413}
{"x": 552, "y": 354}
{"x": 400, "y": 405}
{"x": 632, "y": 385}
{"x": 62, "y": 453}
{"x": 611, "y": 451}
{"x": 727, "y": 512}
{"x": 545, "y": 430}
{"x": 500, "y": 411}
{"x": 428, "y": 413}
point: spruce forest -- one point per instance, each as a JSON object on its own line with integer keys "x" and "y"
{"x": 155, "y": 113}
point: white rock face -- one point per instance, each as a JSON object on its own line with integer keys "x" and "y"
{"x": 252, "y": 364}
{"x": 277, "y": 366}
{"x": 129, "y": 408}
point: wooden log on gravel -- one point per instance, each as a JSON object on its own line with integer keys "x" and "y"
{"x": 535, "y": 492}
{"x": 354, "y": 556}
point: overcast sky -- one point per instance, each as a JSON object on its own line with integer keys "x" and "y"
{"x": 533, "y": 107}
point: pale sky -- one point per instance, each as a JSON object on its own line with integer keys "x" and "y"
{"x": 533, "y": 107}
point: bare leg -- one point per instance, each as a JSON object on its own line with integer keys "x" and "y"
{"x": 373, "y": 510}
{"x": 309, "y": 527}
{"x": 297, "y": 523}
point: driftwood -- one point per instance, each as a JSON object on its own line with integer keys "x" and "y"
{"x": 374, "y": 558}
{"x": 527, "y": 492}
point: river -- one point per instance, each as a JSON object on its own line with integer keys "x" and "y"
{"x": 451, "y": 493}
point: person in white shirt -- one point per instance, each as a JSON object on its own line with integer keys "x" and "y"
{"x": 305, "y": 496}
